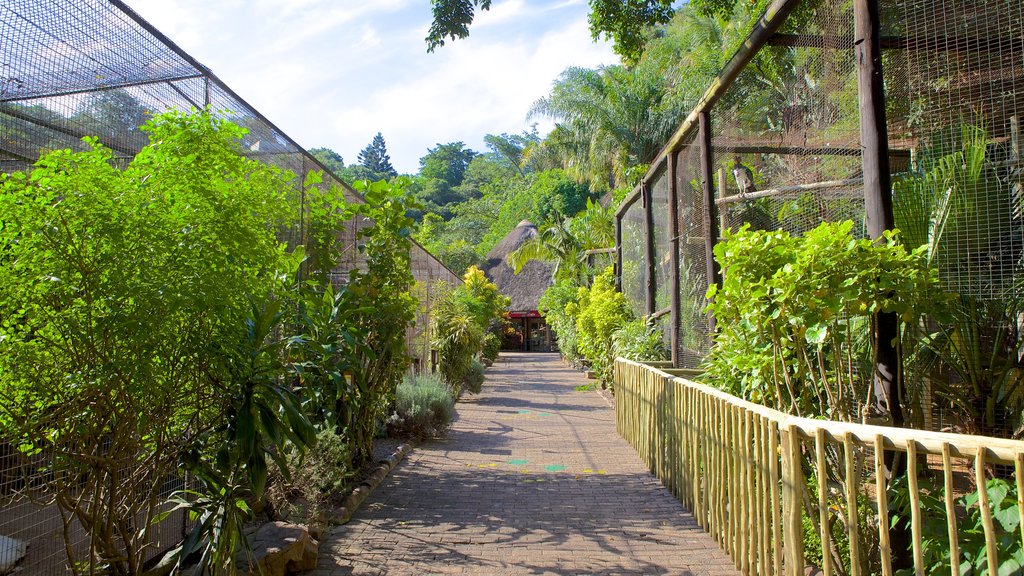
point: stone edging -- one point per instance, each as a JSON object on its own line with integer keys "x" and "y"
{"x": 342, "y": 514}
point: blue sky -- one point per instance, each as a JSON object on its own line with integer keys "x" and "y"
{"x": 333, "y": 73}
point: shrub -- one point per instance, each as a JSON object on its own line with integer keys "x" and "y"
{"x": 317, "y": 477}
{"x": 794, "y": 314}
{"x": 457, "y": 338}
{"x": 553, "y": 307}
{"x": 492, "y": 346}
{"x": 424, "y": 406}
{"x": 474, "y": 380}
{"x": 599, "y": 311}
{"x": 636, "y": 340}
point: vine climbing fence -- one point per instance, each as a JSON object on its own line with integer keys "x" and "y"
{"x": 95, "y": 68}
{"x": 793, "y": 134}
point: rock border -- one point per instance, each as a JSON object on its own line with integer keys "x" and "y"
{"x": 342, "y": 514}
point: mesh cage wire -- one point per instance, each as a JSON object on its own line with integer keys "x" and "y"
{"x": 72, "y": 69}
{"x": 662, "y": 253}
{"x": 799, "y": 136}
{"x": 634, "y": 269}
{"x": 694, "y": 331}
{"x": 962, "y": 65}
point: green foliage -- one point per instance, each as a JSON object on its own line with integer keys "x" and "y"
{"x": 385, "y": 310}
{"x": 447, "y": 162}
{"x": 608, "y": 120}
{"x": 554, "y": 308}
{"x": 457, "y": 339}
{"x": 1002, "y": 500}
{"x": 452, "y": 19}
{"x": 555, "y": 196}
{"x": 424, "y": 406}
{"x": 955, "y": 192}
{"x": 329, "y": 158}
{"x": 314, "y": 478}
{"x": 486, "y": 303}
{"x": 626, "y": 23}
{"x": 122, "y": 295}
{"x": 474, "y": 380}
{"x": 794, "y": 314}
{"x": 492, "y": 346}
{"x": 637, "y": 340}
{"x": 375, "y": 158}
{"x": 599, "y": 311}
{"x": 262, "y": 417}
{"x": 460, "y": 323}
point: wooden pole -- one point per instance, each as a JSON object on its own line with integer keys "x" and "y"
{"x": 714, "y": 274}
{"x": 649, "y": 252}
{"x": 618, "y": 251}
{"x": 877, "y": 193}
{"x": 673, "y": 233}
{"x": 887, "y": 377}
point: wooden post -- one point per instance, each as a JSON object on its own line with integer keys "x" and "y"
{"x": 723, "y": 191}
{"x": 877, "y": 193}
{"x": 618, "y": 251}
{"x": 714, "y": 275}
{"x": 673, "y": 233}
{"x": 887, "y": 377}
{"x": 649, "y": 253}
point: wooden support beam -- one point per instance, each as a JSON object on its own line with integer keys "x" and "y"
{"x": 649, "y": 249}
{"x": 877, "y": 192}
{"x": 714, "y": 274}
{"x": 673, "y": 266}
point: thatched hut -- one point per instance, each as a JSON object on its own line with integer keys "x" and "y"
{"x": 524, "y": 289}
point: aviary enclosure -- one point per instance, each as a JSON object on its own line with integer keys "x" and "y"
{"x": 94, "y": 67}
{"x": 898, "y": 114}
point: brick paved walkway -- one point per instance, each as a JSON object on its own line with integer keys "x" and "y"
{"x": 531, "y": 479}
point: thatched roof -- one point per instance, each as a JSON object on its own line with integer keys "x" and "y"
{"x": 525, "y": 288}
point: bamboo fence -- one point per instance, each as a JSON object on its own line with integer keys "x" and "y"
{"x": 746, "y": 472}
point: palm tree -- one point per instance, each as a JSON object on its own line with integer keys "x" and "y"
{"x": 556, "y": 244}
{"x": 565, "y": 243}
{"x": 608, "y": 119}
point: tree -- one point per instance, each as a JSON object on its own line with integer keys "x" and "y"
{"x": 447, "y": 162}
{"x": 608, "y": 120}
{"x": 375, "y": 157}
{"x": 329, "y": 158}
{"x": 624, "y": 21}
{"x": 118, "y": 322}
{"x": 513, "y": 148}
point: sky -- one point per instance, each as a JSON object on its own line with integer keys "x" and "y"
{"x": 333, "y": 73}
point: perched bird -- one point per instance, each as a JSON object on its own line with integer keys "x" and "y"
{"x": 744, "y": 177}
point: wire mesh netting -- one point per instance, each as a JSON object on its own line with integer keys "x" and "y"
{"x": 94, "y": 68}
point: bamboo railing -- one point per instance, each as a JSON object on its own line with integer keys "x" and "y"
{"x": 756, "y": 478}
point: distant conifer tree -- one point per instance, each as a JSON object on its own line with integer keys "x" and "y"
{"x": 375, "y": 157}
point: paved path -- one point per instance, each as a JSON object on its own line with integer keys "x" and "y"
{"x": 531, "y": 479}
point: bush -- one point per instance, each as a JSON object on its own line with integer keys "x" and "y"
{"x": 553, "y": 307}
{"x": 599, "y": 311}
{"x": 317, "y": 477}
{"x": 474, "y": 380}
{"x": 635, "y": 340}
{"x": 492, "y": 346}
{"x": 794, "y": 314}
{"x": 424, "y": 406}
{"x": 457, "y": 338}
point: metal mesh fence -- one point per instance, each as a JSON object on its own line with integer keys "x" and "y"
{"x": 94, "y": 68}
{"x": 786, "y": 154}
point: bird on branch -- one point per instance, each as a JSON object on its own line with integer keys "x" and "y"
{"x": 743, "y": 176}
